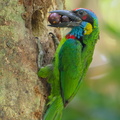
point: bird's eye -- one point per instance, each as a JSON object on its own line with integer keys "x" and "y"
{"x": 81, "y": 12}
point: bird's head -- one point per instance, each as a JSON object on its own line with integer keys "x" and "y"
{"x": 74, "y": 18}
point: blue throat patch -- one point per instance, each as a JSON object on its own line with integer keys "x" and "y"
{"x": 78, "y": 31}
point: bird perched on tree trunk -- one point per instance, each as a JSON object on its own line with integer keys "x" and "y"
{"x": 72, "y": 58}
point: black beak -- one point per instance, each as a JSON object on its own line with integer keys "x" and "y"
{"x": 74, "y": 19}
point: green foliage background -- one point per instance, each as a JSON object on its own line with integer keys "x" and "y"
{"x": 99, "y": 94}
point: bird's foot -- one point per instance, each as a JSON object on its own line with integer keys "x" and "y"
{"x": 55, "y": 40}
{"x": 40, "y": 53}
{"x": 44, "y": 71}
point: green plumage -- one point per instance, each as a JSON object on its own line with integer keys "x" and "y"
{"x": 72, "y": 59}
{"x": 70, "y": 67}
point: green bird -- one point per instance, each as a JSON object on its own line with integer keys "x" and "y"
{"x": 72, "y": 59}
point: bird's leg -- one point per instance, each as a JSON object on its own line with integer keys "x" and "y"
{"x": 40, "y": 49}
{"x": 40, "y": 53}
{"x": 45, "y": 71}
{"x": 55, "y": 40}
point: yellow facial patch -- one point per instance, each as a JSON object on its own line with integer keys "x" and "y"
{"x": 88, "y": 29}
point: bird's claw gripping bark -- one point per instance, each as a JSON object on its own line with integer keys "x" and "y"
{"x": 40, "y": 48}
{"x": 55, "y": 40}
{"x": 40, "y": 53}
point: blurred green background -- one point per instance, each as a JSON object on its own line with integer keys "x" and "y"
{"x": 99, "y": 94}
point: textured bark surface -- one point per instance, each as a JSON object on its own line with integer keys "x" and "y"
{"x": 22, "y": 93}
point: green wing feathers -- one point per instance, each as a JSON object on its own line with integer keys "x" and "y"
{"x": 70, "y": 67}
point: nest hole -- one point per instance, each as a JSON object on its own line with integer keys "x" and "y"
{"x": 36, "y": 23}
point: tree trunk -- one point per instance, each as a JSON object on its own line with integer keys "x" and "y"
{"x": 22, "y": 94}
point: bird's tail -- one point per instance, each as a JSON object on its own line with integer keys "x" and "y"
{"x": 54, "y": 111}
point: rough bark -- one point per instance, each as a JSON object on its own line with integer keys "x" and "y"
{"x": 22, "y": 94}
